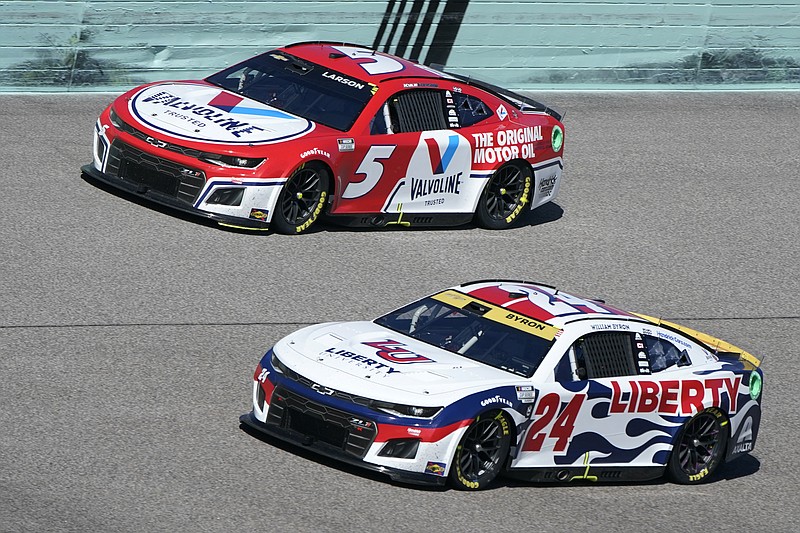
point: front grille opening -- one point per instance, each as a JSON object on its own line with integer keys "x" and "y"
{"x": 148, "y": 178}
{"x": 261, "y": 396}
{"x": 99, "y": 148}
{"x": 400, "y": 448}
{"x": 227, "y": 196}
{"x": 315, "y": 421}
{"x": 153, "y": 172}
{"x": 311, "y": 426}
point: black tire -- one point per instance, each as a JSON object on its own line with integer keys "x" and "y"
{"x": 482, "y": 452}
{"x": 505, "y": 196}
{"x": 699, "y": 448}
{"x": 302, "y": 200}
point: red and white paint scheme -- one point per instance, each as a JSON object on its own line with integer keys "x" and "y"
{"x": 316, "y": 129}
{"x": 512, "y": 377}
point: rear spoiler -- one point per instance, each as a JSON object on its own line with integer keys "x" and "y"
{"x": 714, "y": 344}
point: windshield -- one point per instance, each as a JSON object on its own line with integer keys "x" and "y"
{"x": 469, "y": 333}
{"x": 299, "y": 87}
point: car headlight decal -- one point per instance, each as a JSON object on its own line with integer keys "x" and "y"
{"x": 755, "y": 385}
{"x": 231, "y": 160}
{"x": 405, "y": 410}
{"x": 277, "y": 364}
{"x": 557, "y": 138}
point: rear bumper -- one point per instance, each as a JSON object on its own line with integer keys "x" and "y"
{"x": 154, "y": 196}
{"x": 322, "y": 448}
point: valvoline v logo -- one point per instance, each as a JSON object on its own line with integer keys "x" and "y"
{"x": 440, "y": 161}
{"x": 230, "y": 103}
{"x": 397, "y": 352}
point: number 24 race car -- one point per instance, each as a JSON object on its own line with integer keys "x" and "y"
{"x": 514, "y": 378}
{"x": 366, "y": 138}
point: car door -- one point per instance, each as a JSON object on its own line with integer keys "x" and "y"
{"x": 412, "y": 162}
{"x": 601, "y": 405}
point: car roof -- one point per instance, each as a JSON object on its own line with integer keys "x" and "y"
{"x": 542, "y": 302}
{"x": 330, "y": 54}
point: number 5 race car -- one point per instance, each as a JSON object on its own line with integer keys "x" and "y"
{"x": 319, "y": 128}
{"x": 515, "y": 378}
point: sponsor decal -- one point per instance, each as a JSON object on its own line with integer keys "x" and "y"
{"x": 207, "y": 114}
{"x": 672, "y": 397}
{"x": 700, "y": 475}
{"x": 314, "y": 151}
{"x": 436, "y": 201}
{"x": 359, "y": 423}
{"x": 415, "y": 85}
{"x": 502, "y": 113}
{"x": 437, "y": 469}
{"x": 325, "y": 391}
{"x": 443, "y": 185}
{"x": 505, "y": 145}
{"x": 416, "y": 432}
{"x": 496, "y": 399}
{"x": 526, "y": 393}
{"x": 371, "y": 363}
{"x": 346, "y": 145}
{"x": 546, "y": 185}
{"x": 745, "y": 441}
{"x": 397, "y": 352}
{"x": 673, "y": 338}
{"x": 155, "y": 142}
{"x": 259, "y": 214}
{"x": 440, "y": 181}
{"x": 279, "y": 57}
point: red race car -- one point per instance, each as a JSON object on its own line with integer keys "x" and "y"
{"x": 366, "y": 138}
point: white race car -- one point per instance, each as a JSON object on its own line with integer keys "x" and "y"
{"x": 511, "y": 377}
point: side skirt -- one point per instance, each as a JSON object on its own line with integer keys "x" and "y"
{"x": 581, "y": 473}
{"x": 380, "y": 220}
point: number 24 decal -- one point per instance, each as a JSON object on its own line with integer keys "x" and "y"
{"x": 372, "y": 169}
{"x": 546, "y": 410}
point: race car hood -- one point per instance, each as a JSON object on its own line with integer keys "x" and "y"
{"x": 366, "y": 359}
{"x": 204, "y": 113}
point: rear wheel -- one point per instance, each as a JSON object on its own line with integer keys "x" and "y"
{"x": 302, "y": 200}
{"x": 482, "y": 452}
{"x": 505, "y": 196}
{"x": 700, "y": 448}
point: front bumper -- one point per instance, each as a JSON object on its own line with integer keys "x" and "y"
{"x": 294, "y": 437}
{"x": 171, "y": 202}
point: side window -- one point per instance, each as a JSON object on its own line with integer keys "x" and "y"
{"x": 663, "y": 354}
{"x": 471, "y": 110}
{"x": 411, "y": 111}
{"x": 604, "y": 355}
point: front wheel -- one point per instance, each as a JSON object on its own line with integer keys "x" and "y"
{"x": 302, "y": 200}
{"x": 482, "y": 452}
{"x": 699, "y": 448}
{"x": 504, "y": 197}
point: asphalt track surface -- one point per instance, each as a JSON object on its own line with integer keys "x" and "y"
{"x": 128, "y": 335}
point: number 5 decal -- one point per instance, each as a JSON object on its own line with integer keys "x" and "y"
{"x": 377, "y": 64}
{"x": 372, "y": 170}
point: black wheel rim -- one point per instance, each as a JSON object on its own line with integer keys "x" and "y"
{"x": 301, "y": 196}
{"x": 481, "y": 449}
{"x": 505, "y": 192}
{"x": 700, "y": 444}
